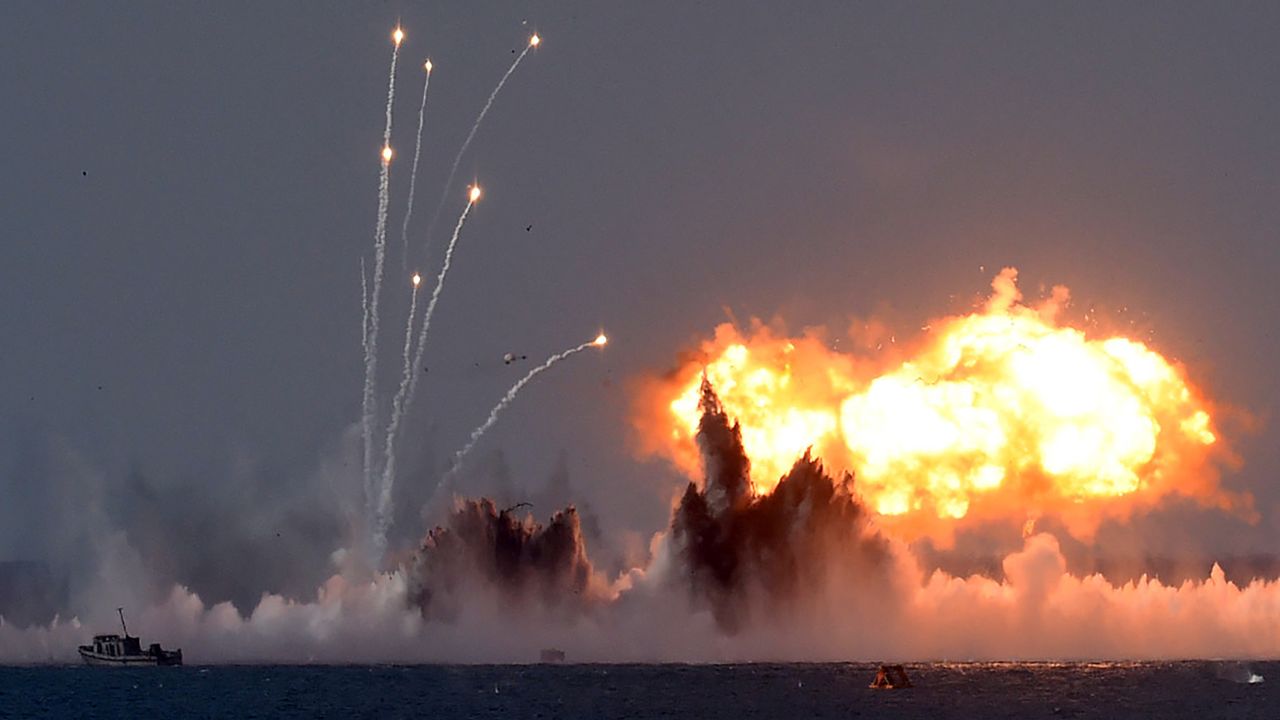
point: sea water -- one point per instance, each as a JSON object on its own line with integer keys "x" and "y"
{"x": 1201, "y": 689}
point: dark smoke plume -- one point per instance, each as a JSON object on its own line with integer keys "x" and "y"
{"x": 735, "y": 546}
{"x": 486, "y": 549}
{"x": 735, "y": 551}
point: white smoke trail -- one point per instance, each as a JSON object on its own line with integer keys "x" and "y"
{"x": 504, "y": 402}
{"x": 364, "y": 306}
{"x": 409, "y": 385}
{"x": 413, "y": 174}
{"x": 369, "y": 400}
{"x": 435, "y": 296}
{"x": 448, "y": 185}
{"x": 382, "y": 520}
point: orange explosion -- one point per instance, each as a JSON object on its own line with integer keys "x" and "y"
{"x": 1002, "y": 413}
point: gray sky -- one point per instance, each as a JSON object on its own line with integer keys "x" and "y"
{"x": 189, "y": 311}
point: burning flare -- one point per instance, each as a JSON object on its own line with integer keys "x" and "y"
{"x": 999, "y": 413}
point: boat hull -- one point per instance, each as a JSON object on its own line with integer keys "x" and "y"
{"x": 169, "y": 658}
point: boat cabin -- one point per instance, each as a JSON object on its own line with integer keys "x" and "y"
{"x": 115, "y": 646}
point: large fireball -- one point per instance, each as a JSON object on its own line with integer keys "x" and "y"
{"x": 1001, "y": 413}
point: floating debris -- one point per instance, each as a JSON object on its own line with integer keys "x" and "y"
{"x": 891, "y": 677}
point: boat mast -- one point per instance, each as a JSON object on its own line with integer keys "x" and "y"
{"x": 122, "y": 625}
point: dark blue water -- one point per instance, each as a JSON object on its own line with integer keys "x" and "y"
{"x": 732, "y": 692}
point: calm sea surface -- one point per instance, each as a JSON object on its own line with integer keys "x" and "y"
{"x": 733, "y": 692}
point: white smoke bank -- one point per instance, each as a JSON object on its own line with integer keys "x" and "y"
{"x": 1038, "y": 612}
{"x": 538, "y": 589}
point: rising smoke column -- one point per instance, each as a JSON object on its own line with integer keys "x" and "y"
{"x": 486, "y": 549}
{"x": 740, "y": 551}
{"x": 369, "y": 399}
{"x": 413, "y": 174}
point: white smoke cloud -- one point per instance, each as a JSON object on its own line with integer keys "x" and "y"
{"x": 1039, "y": 611}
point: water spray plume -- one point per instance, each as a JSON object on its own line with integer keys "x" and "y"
{"x": 371, "y": 321}
{"x": 506, "y": 400}
{"x": 475, "y": 127}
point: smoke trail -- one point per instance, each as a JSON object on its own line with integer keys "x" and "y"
{"x": 383, "y": 517}
{"x": 364, "y": 307}
{"x": 505, "y": 401}
{"x": 369, "y": 400}
{"x": 413, "y": 174}
{"x": 533, "y": 43}
{"x": 435, "y": 295}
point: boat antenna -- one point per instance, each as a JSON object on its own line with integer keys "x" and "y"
{"x": 122, "y": 625}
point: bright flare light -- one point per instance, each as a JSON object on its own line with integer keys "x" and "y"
{"x": 417, "y": 280}
{"x": 386, "y": 153}
{"x": 601, "y": 340}
{"x": 534, "y": 41}
{"x": 475, "y": 193}
{"x": 427, "y": 66}
{"x": 398, "y": 35}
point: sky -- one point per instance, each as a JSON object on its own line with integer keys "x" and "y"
{"x": 188, "y": 190}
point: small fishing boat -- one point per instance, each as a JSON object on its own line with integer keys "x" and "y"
{"x": 123, "y": 651}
